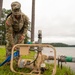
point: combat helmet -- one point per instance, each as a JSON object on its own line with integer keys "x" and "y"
{"x": 16, "y": 8}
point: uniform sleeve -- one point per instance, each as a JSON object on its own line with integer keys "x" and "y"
{"x": 26, "y": 22}
{"x": 9, "y": 31}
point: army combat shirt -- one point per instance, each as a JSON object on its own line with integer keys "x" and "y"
{"x": 16, "y": 26}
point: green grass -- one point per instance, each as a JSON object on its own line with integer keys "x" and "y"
{"x": 5, "y": 69}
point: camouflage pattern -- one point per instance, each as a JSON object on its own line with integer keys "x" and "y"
{"x": 14, "y": 30}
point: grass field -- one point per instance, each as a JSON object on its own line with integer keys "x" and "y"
{"x": 5, "y": 69}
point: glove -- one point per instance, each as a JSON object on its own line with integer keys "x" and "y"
{"x": 22, "y": 37}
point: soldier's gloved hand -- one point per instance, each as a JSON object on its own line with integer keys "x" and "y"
{"x": 22, "y": 37}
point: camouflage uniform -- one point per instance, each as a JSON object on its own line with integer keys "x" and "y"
{"x": 15, "y": 28}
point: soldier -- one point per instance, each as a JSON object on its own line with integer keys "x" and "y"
{"x": 16, "y": 27}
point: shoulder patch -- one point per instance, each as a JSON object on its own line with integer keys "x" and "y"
{"x": 7, "y": 23}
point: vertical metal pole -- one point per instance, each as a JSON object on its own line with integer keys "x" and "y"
{"x": 39, "y": 36}
{"x": 39, "y": 39}
{"x": 1, "y": 2}
{"x": 33, "y": 20}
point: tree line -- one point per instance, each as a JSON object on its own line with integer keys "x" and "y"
{"x": 60, "y": 45}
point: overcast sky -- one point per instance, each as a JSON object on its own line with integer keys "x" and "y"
{"x": 56, "y": 19}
